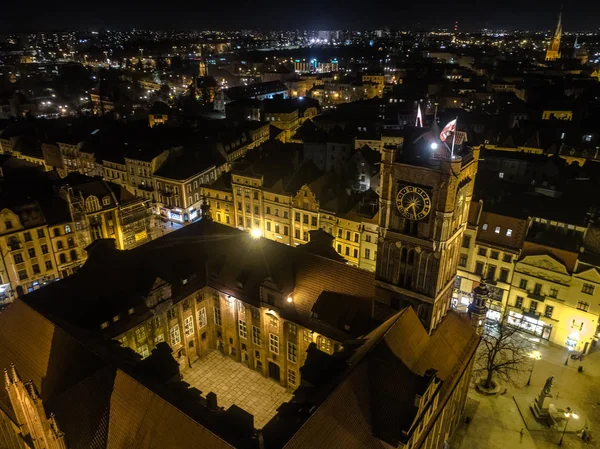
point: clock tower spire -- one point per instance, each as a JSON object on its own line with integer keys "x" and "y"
{"x": 425, "y": 197}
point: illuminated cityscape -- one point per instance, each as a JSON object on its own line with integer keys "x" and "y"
{"x": 287, "y": 234}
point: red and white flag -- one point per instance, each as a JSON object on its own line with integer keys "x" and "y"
{"x": 419, "y": 121}
{"x": 448, "y": 130}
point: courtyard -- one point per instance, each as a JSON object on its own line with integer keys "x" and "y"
{"x": 504, "y": 420}
{"x": 235, "y": 383}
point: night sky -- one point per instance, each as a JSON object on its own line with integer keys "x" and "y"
{"x": 296, "y": 14}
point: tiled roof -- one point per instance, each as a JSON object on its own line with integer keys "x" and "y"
{"x": 398, "y": 349}
{"x": 143, "y": 420}
{"x": 40, "y": 351}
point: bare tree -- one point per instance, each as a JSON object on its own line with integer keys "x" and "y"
{"x": 502, "y": 354}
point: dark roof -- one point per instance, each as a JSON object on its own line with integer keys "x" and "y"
{"x": 183, "y": 166}
{"x": 56, "y": 211}
{"x": 193, "y": 252}
{"x": 368, "y": 404}
{"x": 160, "y": 108}
{"x": 255, "y": 90}
{"x": 204, "y": 82}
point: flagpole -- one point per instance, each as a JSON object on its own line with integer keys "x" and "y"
{"x": 454, "y": 138}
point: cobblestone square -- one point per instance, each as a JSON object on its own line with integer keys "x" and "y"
{"x": 235, "y": 383}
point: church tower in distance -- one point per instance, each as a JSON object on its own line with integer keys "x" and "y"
{"x": 553, "y": 51}
{"x": 425, "y": 198}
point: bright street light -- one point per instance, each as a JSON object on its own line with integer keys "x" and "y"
{"x": 434, "y": 146}
{"x": 256, "y": 233}
{"x": 568, "y": 414}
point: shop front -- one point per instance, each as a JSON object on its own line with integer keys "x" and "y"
{"x": 530, "y": 323}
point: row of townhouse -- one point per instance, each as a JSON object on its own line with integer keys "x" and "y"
{"x": 38, "y": 245}
{"x": 544, "y": 274}
{"x": 45, "y": 239}
{"x": 287, "y": 211}
{"x": 171, "y": 179}
{"x": 168, "y": 174}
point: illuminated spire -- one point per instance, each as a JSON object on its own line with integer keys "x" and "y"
{"x": 553, "y": 51}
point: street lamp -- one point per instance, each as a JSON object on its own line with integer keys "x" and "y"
{"x": 534, "y": 355}
{"x": 568, "y": 414}
{"x": 256, "y": 233}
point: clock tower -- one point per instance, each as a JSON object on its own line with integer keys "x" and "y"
{"x": 425, "y": 197}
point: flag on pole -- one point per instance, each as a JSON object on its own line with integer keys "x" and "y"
{"x": 448, "y": 129}
{"x": 419, "y": 121}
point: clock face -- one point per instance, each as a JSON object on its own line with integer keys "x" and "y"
{"x": 413, "y": 203}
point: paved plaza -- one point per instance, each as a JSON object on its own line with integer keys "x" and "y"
{"x": 496, "y": 421}
{"x": 234, "y": 383}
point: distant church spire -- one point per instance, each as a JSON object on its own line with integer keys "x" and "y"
{"x": 553, "y": 51}
{"x": 202, "y": 68}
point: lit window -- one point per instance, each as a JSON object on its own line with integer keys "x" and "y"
{"x": 67, "y": 229}
{"x": 202, "y": 317}
{"x": 501, "y": 175}
{"x": 175, "y": 335}
{"x": 508, "y": 232}
{"x": 274, "y": 322}
{"x": 588, "y": 289}
{"x": 143, "y": 351}
{"x": 217, "y": 316}
{"x": 188, "y": 326}
{"x": 292, "y": 377}
{"x": 242, "y": 328}
{"x": 292, "y": 352}
{"x": 274, "y": 343}
{"x": 324, "y": 344}
{"x": 140, "y": 334}
{"x": 484, "y": 227}
{"x": 159, "y": 338}
{"x": 497, "y": 230}
{"x": 256, "y": 335}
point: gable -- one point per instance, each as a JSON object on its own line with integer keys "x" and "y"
{"x": 545, "y": 262}
{"x": 9, "y": 215}
{"x": 590, "y": 274}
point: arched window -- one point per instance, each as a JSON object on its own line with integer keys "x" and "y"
{"x": 67, "y": 229}
{"x": 62, "y": 258}
{"x": 92, "y": 204}
{"x": 73, "y": 255}
{"x": 70, "y": 242}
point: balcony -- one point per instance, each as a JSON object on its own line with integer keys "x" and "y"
{"x": 536, "y": 296}
{"x": 145, "y": 187}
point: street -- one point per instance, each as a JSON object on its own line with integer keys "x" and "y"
{"x": 504, "y": 420}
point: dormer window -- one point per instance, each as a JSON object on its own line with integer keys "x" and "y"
{"x": 8, "y": 224}
{"x": 104, "y": 325}
{"x": 184, "y": 281}
{"x": 115, "y": 318}
{"x": 131, "y": 311}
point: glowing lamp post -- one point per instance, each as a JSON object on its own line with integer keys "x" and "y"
{"x": 534, "y": 355}
{"x": 256, "y": 233}
{"x": 568, "y": 414}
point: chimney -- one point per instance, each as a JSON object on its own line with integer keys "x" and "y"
{"x": 211, "y": 400}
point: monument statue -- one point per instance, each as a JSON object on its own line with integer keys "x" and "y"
{"x": 548, "y": 386}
